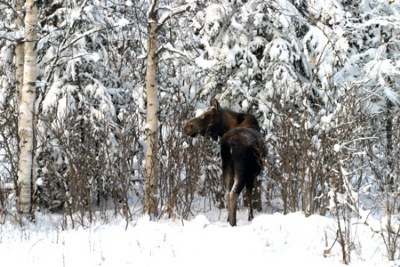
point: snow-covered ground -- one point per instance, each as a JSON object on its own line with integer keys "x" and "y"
{"x": 205, "y": 240}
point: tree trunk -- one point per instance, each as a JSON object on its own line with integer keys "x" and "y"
{"x": 19, "y": 58}
{"x": 19, "y": 51}
{"x": 26, "y": 111}
{"x": 150, "y": 198}
{"x": 389, "y": 146}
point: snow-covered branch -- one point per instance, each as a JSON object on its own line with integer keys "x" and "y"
{"x": 173, "y": 12}
{"x": 170, "y": 48}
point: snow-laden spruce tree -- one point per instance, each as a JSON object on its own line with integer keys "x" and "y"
{"x": 372, "y": 72}
{"x": 373, "y": 68}
{"x": 10, "y": 36}
{"x": 89, "y": 105}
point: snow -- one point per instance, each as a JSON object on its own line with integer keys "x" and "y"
{"x": 204, "y": 63}
{"x": 123, "y": 22}
{"x": 205, "y": 240}
{"x": 75, "y": 14}
{"x": 50, "y": 99}
{"x": 337, "y": 148}
{"x": 198, "y": 112}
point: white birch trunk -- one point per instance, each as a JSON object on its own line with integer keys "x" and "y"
{"x": 150, "y": 198}
{"x": 19, "y": 51}
{"x": 26, "y": 109}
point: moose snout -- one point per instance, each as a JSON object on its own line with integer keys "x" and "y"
{"x": 189, "y": 130}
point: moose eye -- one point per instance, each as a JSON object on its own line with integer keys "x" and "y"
{"x": 207, "y": 116}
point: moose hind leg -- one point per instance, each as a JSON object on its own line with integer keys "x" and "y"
{"x": 233, "y": 197}
{"x": 228, "y": 175}
{"x": 249, "y": 198}
{"x": 249, "y": 195}
{"x": 232, "y": 207}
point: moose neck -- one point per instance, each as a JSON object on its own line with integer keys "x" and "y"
{"x": 230, "y": 119}
{"x": 228, "y": 122}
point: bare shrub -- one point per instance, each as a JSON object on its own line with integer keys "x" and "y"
{"x": 188, "y": 170}
{"x": 86, "y": 169}
{"x": 384, "y": 171}
{"x": 8, "y": 155}
{"x": 319, "y": 166}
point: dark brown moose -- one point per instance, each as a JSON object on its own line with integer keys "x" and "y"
{"x": 242, "y": 150}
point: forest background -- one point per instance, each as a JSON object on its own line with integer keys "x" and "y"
{"x": 322, "y": 77}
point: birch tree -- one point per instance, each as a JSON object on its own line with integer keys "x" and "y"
{"x": 150, "y": 200}
{"x": 26, "y": 106}
{"x": 19, "y": 48}
{"x": 155, "y": 22}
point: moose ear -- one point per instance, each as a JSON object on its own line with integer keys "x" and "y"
{"x": 214, "y": 103}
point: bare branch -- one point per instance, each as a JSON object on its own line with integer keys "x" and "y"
{"x": 8, "y": 5}
{"x": 152, "y": 8}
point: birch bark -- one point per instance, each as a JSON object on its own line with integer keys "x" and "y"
{"x": 150, "y": 198}
{"x": 19, "y": 50}
{"x": 26, "y": 111}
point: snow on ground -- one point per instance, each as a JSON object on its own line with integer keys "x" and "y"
{"x": 206, "y": 240}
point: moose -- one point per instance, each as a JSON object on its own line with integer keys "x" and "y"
{"x": 242, "y": 150}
